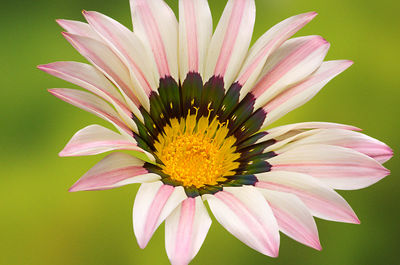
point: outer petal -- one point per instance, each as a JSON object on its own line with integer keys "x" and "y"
{"x": 244, "y": 213}
{"x": 321, "y": 200}
{"x": 231, "y": 40}
{"x": 195, "y": 30}
{"x": 115, "y": 170}
{"x": 95, "y": 139}
{"x": 155, "y": 24}
{"x": 293, "y": 217}
{"x": 340, "y": 168}
{"x": 292, "y": 62}
{"x": 267, "y": 44}
{"x": 109, "y": 64}
{"x": 153, "y": 203}
{"x": 185, "y": 230}
{"x": 92, "y": 104}
{"x": 281, "y": 131}
{"x": 90, "y": 78}
{"x": 345, "y": 138}
{"x": 300, "y": 93}
{"x": 130, "y": 49}
{"x": 78, "y": 28}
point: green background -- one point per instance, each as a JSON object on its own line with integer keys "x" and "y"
{"x": 41, "y": 223}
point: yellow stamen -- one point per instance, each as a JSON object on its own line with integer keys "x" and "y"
{"x": 197, "y": 152}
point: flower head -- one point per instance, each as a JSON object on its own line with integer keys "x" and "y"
{"x": 193, "y": 107}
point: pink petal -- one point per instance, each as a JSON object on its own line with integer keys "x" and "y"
{"x": 267, "y": 44}
{"x": 302, "y": 92}
{"x": 108, "y": 63}
{"x": 88, "y": 77}
{"x": 345, "y": 138}
{"x": 292, "y": 62}
{"x": 245, "y": 214}
{"x": 293, "y": 217}
{"x": 281, "y": 131}
{"x": 185, "y": 230}
{"x": 195, "y": 30}
{"x": 155, "y": 24}
{"x": 339, "y": 167}
{"x": 92, "y": 104}
{"x": 129, "y": 48}
{"x": 153, "y": 203}
{"x": 115, "y": 170}
{"x": 320, "y": 199}
{"x": 231, "y": 40}
{"x": 78, "y": 28}
{"x": 95, "y": 139}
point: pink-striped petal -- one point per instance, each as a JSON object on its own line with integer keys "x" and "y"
{"x": 320, "y": 199}
{"x": 293, "y": 217}
{"x": 185, "y": 230}
{"x": 195, "y": 30}
{"x": 155, "y": 24}
{"x": 115, "y": 170}
{"x": 96, "y": 139}
{"x": 281, "y": 132}
{"x": 231, "y": 40}
{"x": 130, "y": 49}
{"x": 109, "y": 64}
{"x": 302, "y": 92}
{"x": 349, "y": 139}
{"x": 78, "y": 28}
{"x": 153, "y": 203}
{"x": 339, "y": 167}
{"x": 292, "y": 62}
{"x": 267, "y": 44}
{"x": 244, "y": 212}
{"x": 92, "y": 104}
{"x": 88, "y": 77}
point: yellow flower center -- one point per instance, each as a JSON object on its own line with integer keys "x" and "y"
{"x": 197, "y": 153}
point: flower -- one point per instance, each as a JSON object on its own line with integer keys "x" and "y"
{"x": 192, "y": 108}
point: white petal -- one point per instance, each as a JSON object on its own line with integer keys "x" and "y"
{"x": 109, "y": 64}
{"x": 300, "y": 127}
{"x": 195, "y": 30}
{"x": 185, "y": 230}
{"x": 267, "y": 44}
{"x": 153, "y": 203}
{"x": 130, "y": 49}
{"x": 345, "y": 138}
{"x": 293, "y": 217}
{"x": 340, "y": 168}
{"x": 78, "y": 28}
{"x": 244, "y": 212}
{"x": 231, "y": 40}
{"x": 320, "y": 199}
{"x": 302, "y": 92}
{"x": 292, "y": 62}
{"x": 90, "y": 78}
{"x": 115, "y": 170}
{"x": 155, "y": 24}
{"x": 92, "y": 104}
{"x": 96, "y": 139}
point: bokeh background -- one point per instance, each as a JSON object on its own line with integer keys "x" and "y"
{"x": 41, "y": 223}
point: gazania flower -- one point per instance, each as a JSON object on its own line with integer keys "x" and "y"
{"x": 192, "y": 107}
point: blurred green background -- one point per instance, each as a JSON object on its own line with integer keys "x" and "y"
{"x": 41, "y": 223}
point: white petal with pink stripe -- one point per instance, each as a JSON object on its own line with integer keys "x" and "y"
{"x": 153, "y": 203}
{"x": 185, "y": 230}
{"x": 115, "y": 170}
{"x": 245, "y": 213}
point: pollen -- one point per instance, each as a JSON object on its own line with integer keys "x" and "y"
{"x": 197, "y": 152}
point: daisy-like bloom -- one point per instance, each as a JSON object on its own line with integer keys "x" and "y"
{"x": 192, "y": 106}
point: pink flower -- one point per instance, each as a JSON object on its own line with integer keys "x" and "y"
{"x": 193, "y": 108}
